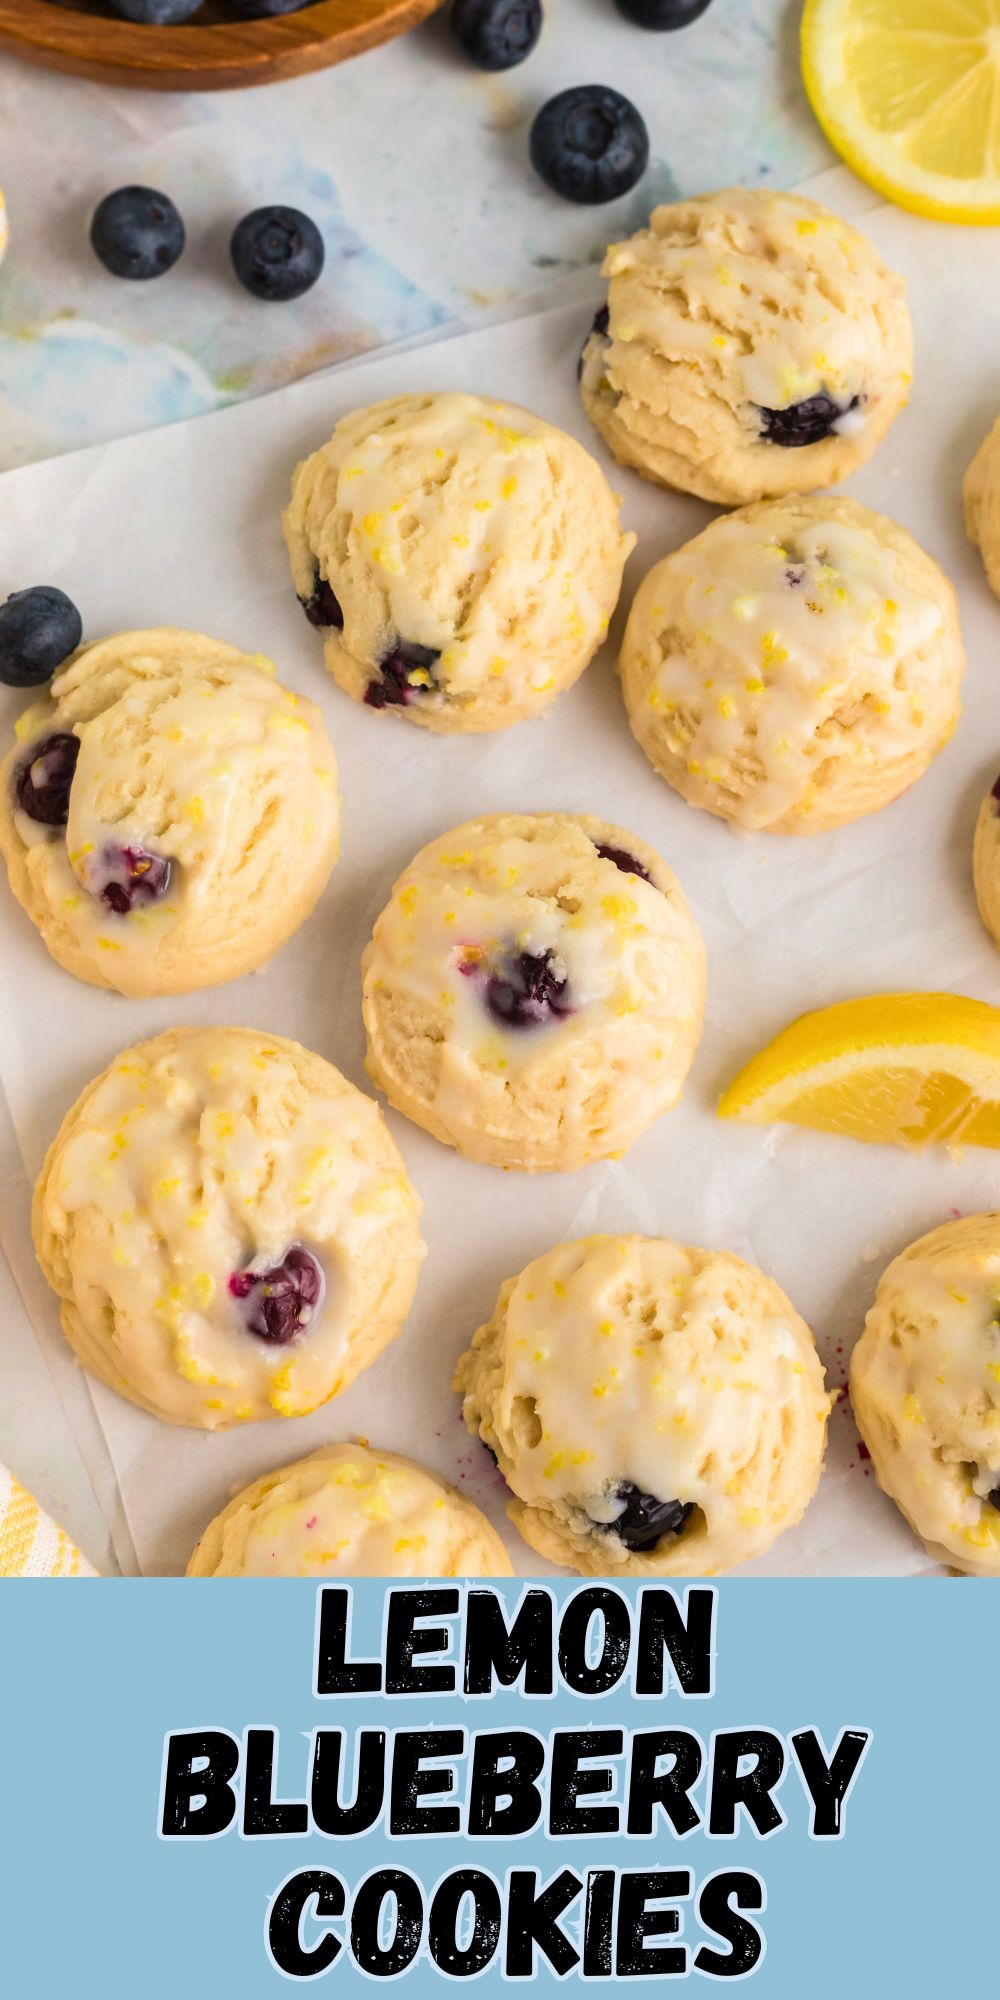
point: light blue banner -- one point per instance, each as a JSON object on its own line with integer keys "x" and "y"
{"x": 110, "y": 1889}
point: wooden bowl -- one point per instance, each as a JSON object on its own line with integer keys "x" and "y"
{"x": 214, "y": 50}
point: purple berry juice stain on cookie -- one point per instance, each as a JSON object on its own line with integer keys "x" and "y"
{"x": 280, "y": 1301}
{"x": 623, "y": 860}
{"x": 323, "y": 608}
{"x": 805, "y": 423}
{"x": 126, "y": 876}
{"x": 528, "y": 989}
{"x": 644, "y": 1520}
{"x": 407, "y": 670}
{"x": 42, "y": 785}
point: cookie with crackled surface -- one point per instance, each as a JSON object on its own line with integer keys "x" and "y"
{"x": 753, "y": 344}
{"x": 461, "y": 557}
{"x": 169, "y": 813}
{"x": 533, "y": 990}
{"x": 229, "y": 1227}
{"x": 925, "y": 1386}
{"x": 655, "y": 1410}
{"x": 796, "y": 666}
{"x": 350, "y": 1510}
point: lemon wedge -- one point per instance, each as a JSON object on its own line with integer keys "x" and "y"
{"x": 900, "y": 1069}
{"x": 908, "y": 92}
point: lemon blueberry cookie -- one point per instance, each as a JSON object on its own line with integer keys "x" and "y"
{"x": 925, "y": 1385}
{"x": 795, "y": 666}
{"x": 350, "y": 1510}
{"x": 533, "y": 990}
{"x": 229, "y": 1227}
{"x": 752, "y": 345}
{"x": 986, "y": 862}
{"x": 655, "y": 1410}
{"x": 461, "y": 557}
{"x": 169, "y": 812}
{"x": 981, "y": 492}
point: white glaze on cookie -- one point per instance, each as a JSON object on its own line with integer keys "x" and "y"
{"x": 687, "y": 1375}
{"x": 925, "y": 1385}
{"x": 795, "y": 665}
{"x": 194, "y": 1158}
{"x": 591, "y": 1073}
{"x": 350, "y": 1510}
{"x": 193, "y": 752}
{"x": 730, "y": 306}
{"x": 468, "y": 528}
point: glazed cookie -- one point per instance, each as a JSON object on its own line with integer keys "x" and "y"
{"x": 533, "y": 991}
{"x": 169, "y": 814}
{"x": 982, "y": 504}
{"x": 461, "y": 557}
{"x": 350, "y": 1511}
{"x": 752, "y": 345}
{"x": 655, "y": 1410}
{"x": 925, "y": 1385}
{"x": 795, "y": 666}
{"x": 229, "y": 1227}
{"x": 986, "y": 862}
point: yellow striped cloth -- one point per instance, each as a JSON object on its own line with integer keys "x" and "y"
{"x": 31, "y": 1544}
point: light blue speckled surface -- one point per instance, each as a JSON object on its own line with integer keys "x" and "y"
{"x": 415, "y": 167}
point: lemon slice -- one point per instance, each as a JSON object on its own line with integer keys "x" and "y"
{"x": 908, "y": 91}
{"x": 900, "y": 1069}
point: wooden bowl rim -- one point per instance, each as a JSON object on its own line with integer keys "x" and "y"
{"x": 137, "y": 52}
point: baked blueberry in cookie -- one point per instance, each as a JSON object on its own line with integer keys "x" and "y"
{"x": 42, "y": 783}
{"x": 644, "y": 1520}
{"x": 533, "y": 990}
{"x": 127, "y": 876}
{"x": 617, "y": 1369}
{"x": 801, "y": 424}
{"x": 229, "y": 1226}
{"x": 321, "y": 606}
{"x": 406, "y": 670}
{"x": 476, "y": 554}
{"x": 280, "y": 1300}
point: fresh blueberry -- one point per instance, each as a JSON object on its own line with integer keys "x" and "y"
{"x": 496, "y": 34}
{"x": 644, "y": 1520}
{"x": 277, "y": 253}
{"x": 130, "y": 875}
{"x": 995, "y": 793}
{"x": 804, "y": 423}
{"x": 623, "y": 860}
{"x": 137, "y": 233}
{"x": 322, "y": 608}
{"x": 528, "y": 988}
{"x": 42, "y": 785}
{"x": 156, "y": 13}
{"x": 39, "y": 628}
{"x": 394, "y": 687}
{"x": 662, "y": 13}
{"x": 281, "y": 1301}
{"x": 994, "y": 1498}
{"x": 589, "y": 144}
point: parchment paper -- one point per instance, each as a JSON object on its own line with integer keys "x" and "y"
{"x": 181, "y": 526}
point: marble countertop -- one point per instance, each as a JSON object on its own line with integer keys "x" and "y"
{"x": 413, "y": 164}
